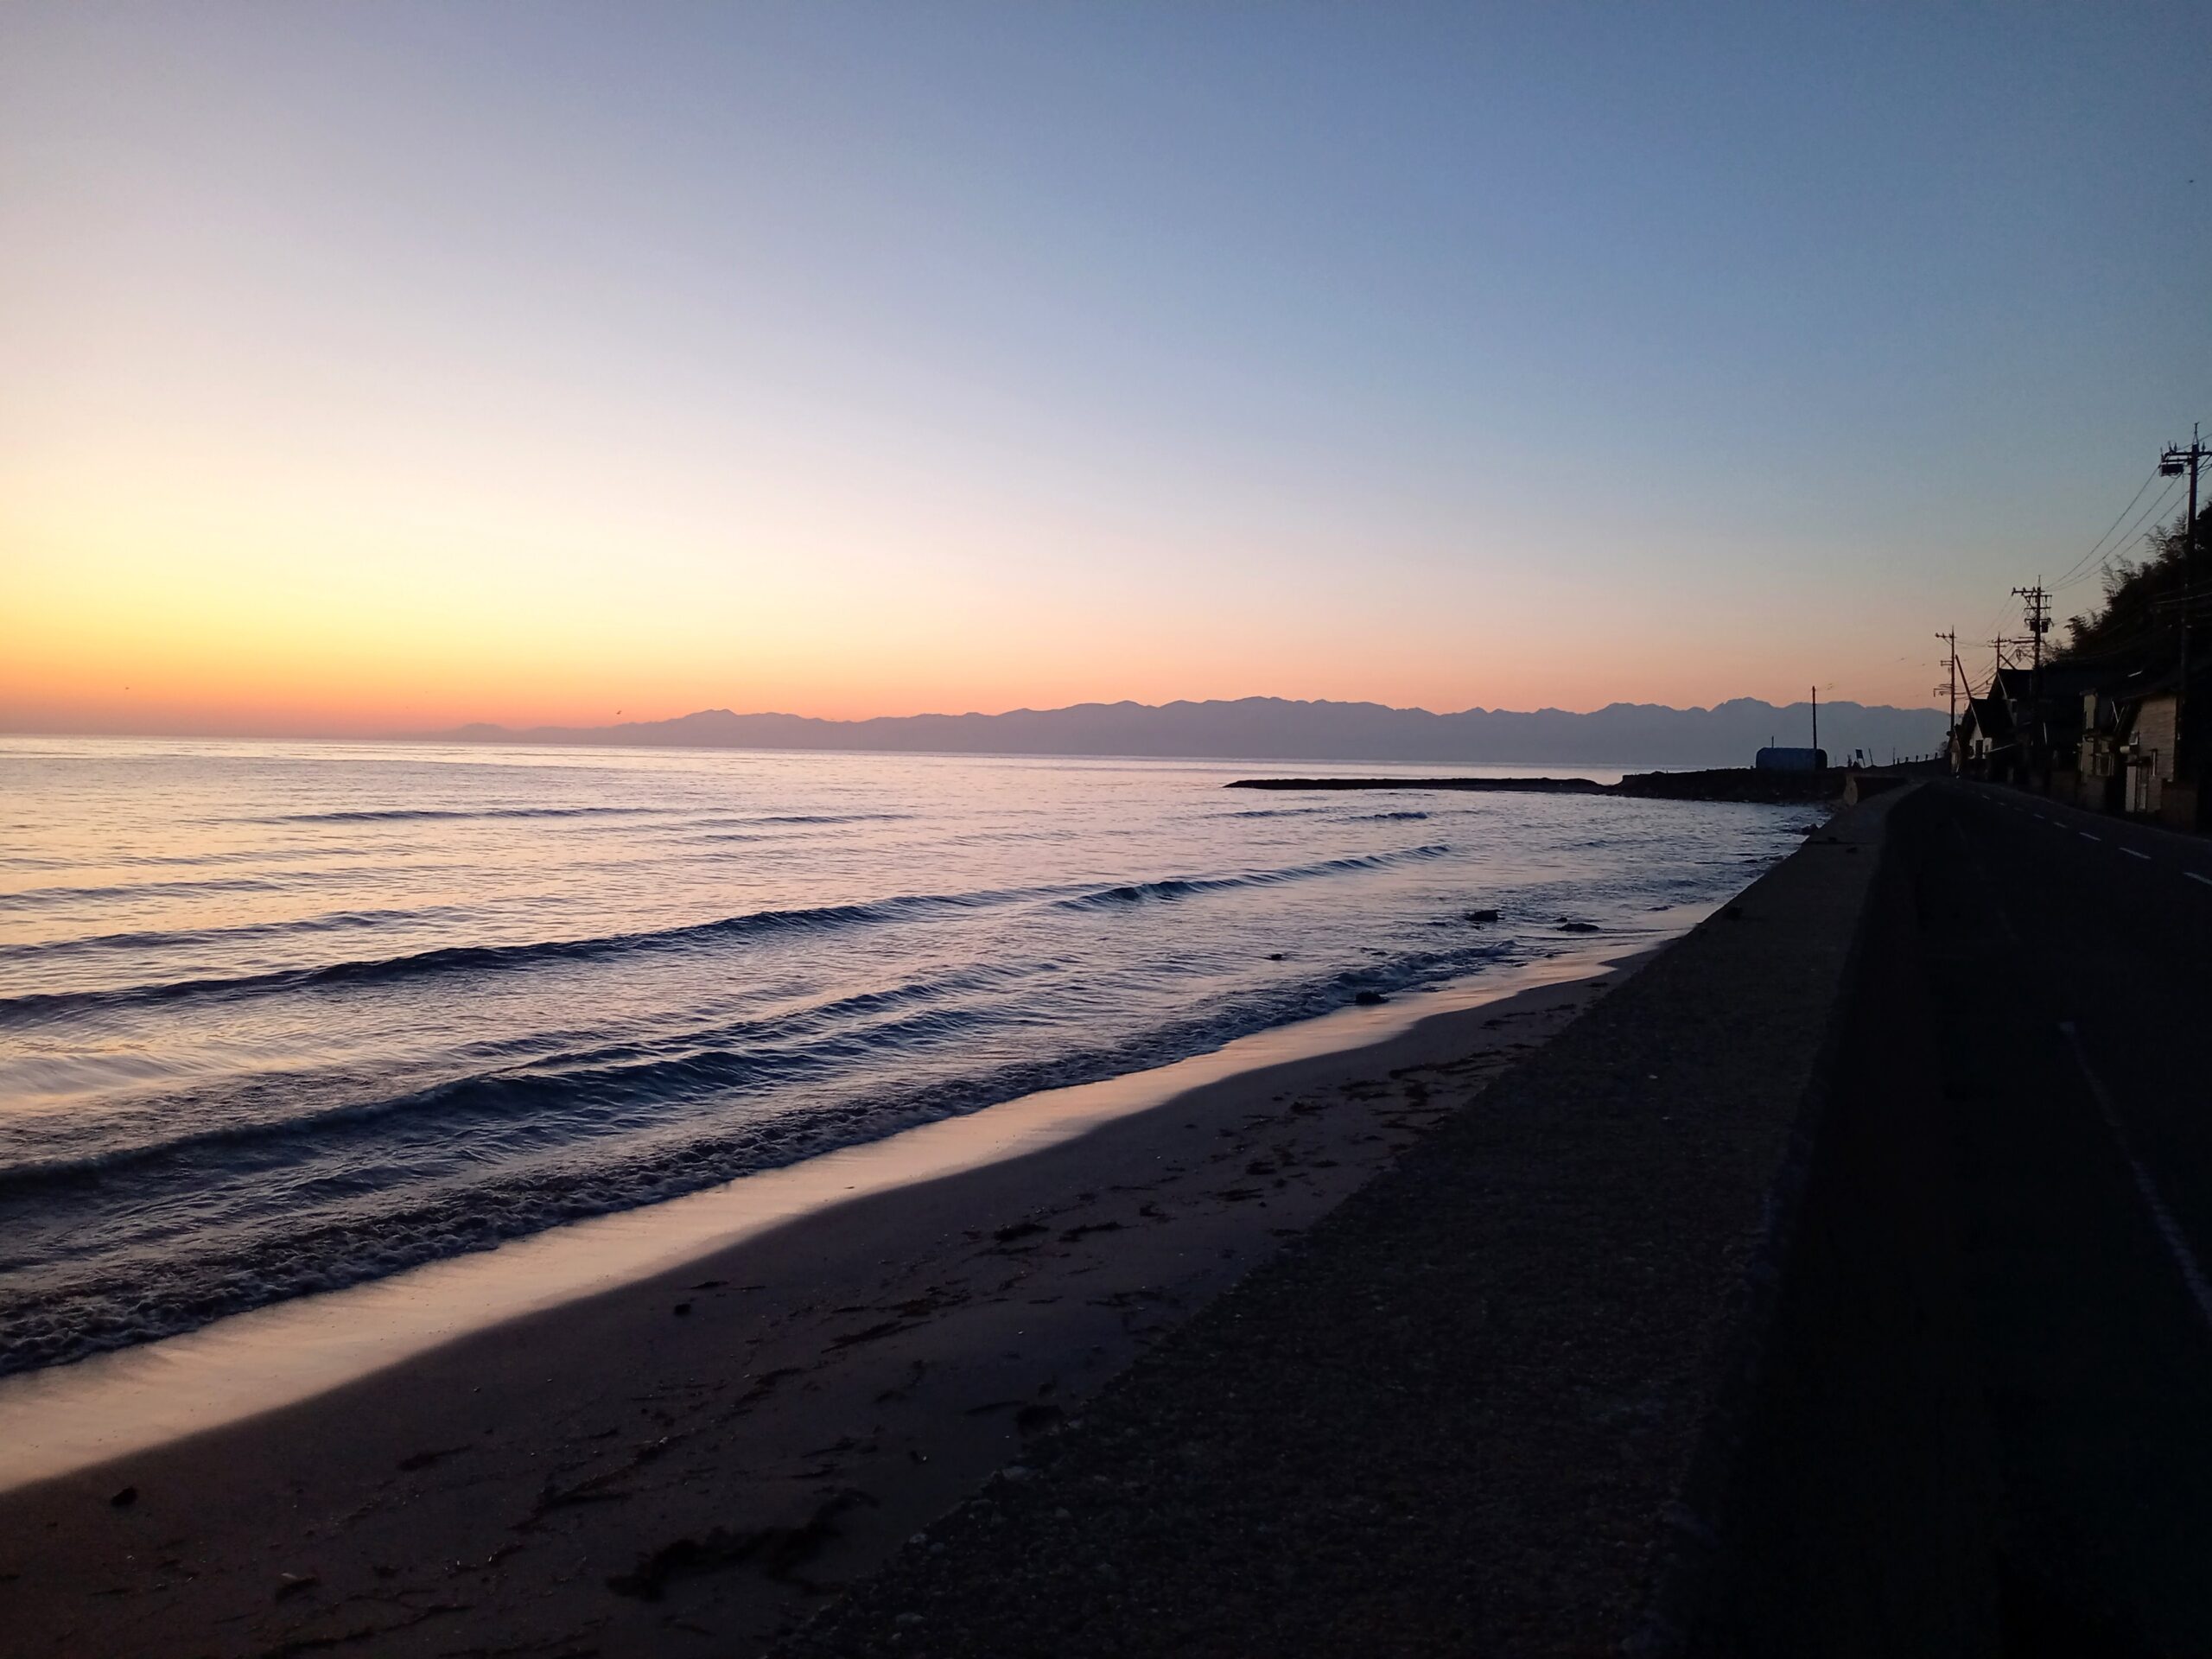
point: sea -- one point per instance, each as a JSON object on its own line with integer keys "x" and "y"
{"x": 280, "y": 1017}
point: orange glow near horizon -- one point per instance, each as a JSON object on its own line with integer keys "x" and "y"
{"x": 224, "y": 665}
{"x": 217, "y": 661}
{"x": 224, "y": 596}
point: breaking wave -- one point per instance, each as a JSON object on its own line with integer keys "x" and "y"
{"x": 1184, "y": 887}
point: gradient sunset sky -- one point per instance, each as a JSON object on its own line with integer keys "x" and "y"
{"x": 375, "y": 368}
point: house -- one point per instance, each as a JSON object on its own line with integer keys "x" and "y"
{"x": 2046, "y": 708}
{"x": 2101, "y": 765}
{"x": 2151, "y": 739}
{"x": 2130, "y": 725}
{"x": 1982, "y": 746}
{"x": 2146, "y": 717}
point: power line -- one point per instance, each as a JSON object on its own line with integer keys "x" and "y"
{"x": 1989, "y": 629}
{"x": 1997, "y": 617}
{"x": 2149, "y": 512}
{"x": 2072, "y": 570}
{"x": 1998, "y": 645}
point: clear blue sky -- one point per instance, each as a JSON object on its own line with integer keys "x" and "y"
{"x": 525, "y": 361}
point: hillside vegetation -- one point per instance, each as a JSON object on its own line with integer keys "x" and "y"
{"x": 2128, "y": 626}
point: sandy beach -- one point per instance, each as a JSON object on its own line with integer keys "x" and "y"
{"x": 1103, "y": 832}
{"x": 688, "y": 1463}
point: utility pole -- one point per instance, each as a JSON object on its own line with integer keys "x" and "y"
{"x": 2038, "y": 620}
{"x": 1950, "y": 639}
{"x": 2170, "y": 464}
{"x": 1816, "y": 726}
{"x": 1949, "y": 690}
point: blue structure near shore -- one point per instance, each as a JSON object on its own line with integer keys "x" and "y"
{"x": 1773, "y": 759}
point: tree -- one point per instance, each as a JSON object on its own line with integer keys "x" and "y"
{"x": 2126, "y": 627}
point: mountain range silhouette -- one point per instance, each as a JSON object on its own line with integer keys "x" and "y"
{"x": 1279, "y": 728}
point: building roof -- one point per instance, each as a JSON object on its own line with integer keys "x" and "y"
{"x": 1988, "y": 717}
{"x": 2060, "y": 680}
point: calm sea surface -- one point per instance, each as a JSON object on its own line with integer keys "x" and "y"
{"x": 279, "y": 1017}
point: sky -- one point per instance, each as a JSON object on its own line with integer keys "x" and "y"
{"x": 375, "y": 368}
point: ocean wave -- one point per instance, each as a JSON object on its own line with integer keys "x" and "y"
{"x": 202, "y": 858}
{"x": 443, "y": 1107}
{"x": 1184, "y": 887}
{"x": 754, "y": 820}
{"x": 39, "y": 1006}
{"x": 832, "y": 818}
{"x": 513, "y": 1078}
{"x": 339, "y": 921}
{"x": 37, "y": 898}
{"x": 413, "y": 814}
{"x": 776, "y": 827}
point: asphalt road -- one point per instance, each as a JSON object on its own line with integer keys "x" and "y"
{"x": 2070, "y": 955}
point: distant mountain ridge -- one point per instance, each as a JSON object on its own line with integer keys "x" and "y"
{"x": 1279, "y": 728}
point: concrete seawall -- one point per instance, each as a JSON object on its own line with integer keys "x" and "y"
{"x": 1648, "y": 1349}
{"x": 1844, "y": 1493}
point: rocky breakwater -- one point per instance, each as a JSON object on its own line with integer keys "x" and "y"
{"x": 1737, "y": 783}
{"x": 1504, "y": 785}
{"x": 1717, "y": 784}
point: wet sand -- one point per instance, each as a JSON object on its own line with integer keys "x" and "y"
{"x": 686, "y": 1463}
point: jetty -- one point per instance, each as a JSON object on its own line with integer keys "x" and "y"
{"x": 1753, "y": 784}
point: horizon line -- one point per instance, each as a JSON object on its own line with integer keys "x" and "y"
{"x": 461, "y": 732}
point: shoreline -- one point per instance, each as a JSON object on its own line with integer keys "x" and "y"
{"x": 269, "y": 1357}
{"x": 729, "y": 1420}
